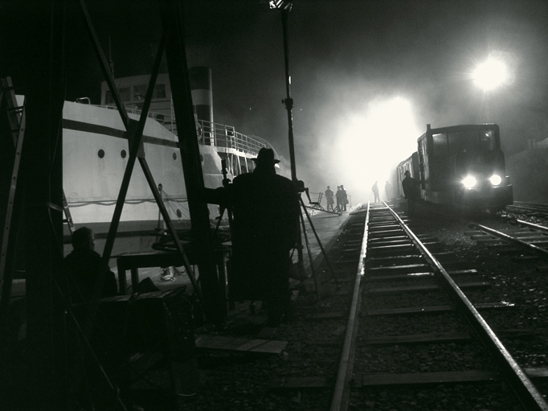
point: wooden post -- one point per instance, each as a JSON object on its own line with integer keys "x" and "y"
{"x": 172, "y": 17}
{"x": 42, "y": 177}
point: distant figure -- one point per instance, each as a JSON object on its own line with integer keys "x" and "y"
{"x": 410, "y": 191}
{"x": 344, "y": 198}
{"x": 329, "y": 198}
{"x": 339, "y": 197}
{"x": 86, "y": 267}
{"x": 265, "y": 228}
{"x": 375, "y": 189}
{"x": 388, "y": 190}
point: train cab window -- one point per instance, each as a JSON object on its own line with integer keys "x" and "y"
{"x": 472, "y": 141}
{"x": 440, "y": 144}
{"x": 487, "y": 140}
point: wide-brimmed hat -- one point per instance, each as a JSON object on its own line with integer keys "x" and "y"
{"x": 266, "y": 156}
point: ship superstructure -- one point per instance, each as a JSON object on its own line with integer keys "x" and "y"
{"x": 95, "y": 153}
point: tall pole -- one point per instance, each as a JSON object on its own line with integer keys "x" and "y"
{"x": 288, "y": 101}
{"x": 41, "y": 174}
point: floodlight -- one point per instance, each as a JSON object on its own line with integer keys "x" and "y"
{"x": 490, "y": 74}
{"x": 280, "y": 5}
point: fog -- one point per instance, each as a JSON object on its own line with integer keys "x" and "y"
{"x": 351, "y": 62}
{"x": 366, "y": 76}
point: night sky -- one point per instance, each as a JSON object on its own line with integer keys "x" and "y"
{"x": 367, "y": 76}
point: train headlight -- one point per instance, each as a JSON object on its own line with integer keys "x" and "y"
{"x": 495, "y": 179}
{"x": 469, "y": 182}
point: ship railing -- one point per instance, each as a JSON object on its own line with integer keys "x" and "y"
{"x": 225, "y": 136}
{"x": 222, "y": 136}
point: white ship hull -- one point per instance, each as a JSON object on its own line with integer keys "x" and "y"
{"x": 95, "y": 156}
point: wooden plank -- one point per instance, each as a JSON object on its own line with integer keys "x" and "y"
{"x": 410, "y": 310}
{"x": 435, "y": 309}
{"x": 417, "y": 339}
{"x": 422, "y": 288}
{"x": 328, "y": 342}
{"x": 525, "y": 258}
{"x": 301, "y": 383}
{"x": 390, "y": 237}
{"x": 487, "y": 306}
{"x": 380, "y": 261}
{"x": 463, "y": 272}
{"x": 391, "y": 248}
{"x": 400, "y": 269}
{"x": 325, "y": 316}
{"x": 397, "y": 277}
{"x": 224, "y": 343}
{"x": 370, "y": 380}
{"x": 540, "y": 372}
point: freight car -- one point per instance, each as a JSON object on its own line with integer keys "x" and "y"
{"x": 461, "y": 166}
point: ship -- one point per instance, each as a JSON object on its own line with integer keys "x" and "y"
{"x": 95, "y": 155}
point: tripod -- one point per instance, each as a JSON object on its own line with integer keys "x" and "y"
{"x": 305, "y": 235}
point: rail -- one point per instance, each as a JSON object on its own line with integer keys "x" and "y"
{"x": 523, "y": 388}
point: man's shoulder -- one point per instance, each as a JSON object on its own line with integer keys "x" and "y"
{"x": 81, "y": 257}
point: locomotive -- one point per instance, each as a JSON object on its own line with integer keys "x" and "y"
{"x": 461, "y": 166}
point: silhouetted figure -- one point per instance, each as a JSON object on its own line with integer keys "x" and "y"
{"x": 388, "y": 190}
{"x": 375, "y": 189}
{"x": 329, "y": 198}
{"x": 265, "y": 228}
{"x": 344, "y": 198}
{"x": 411, "y": 192}
{"x": 85, "y": 267}
{"x": 339, "y": 198}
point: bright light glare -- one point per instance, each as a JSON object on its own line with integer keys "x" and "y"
{"x": 495, "y": 179}
{"x": 370, "y": 144}
{"x": 469, "y": 182}
{"x": 490, "y": 74}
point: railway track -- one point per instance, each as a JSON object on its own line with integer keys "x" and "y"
{"x": 535, "y": 210}
{"x": 524, "y": 235}
{"x": 408, "y": 302}
{"x": 400, "y": 322}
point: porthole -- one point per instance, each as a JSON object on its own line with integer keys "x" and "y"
{"x": 174, "y": 156}
{"x": 101, "y": 153}
{"x": 123, "y": 153}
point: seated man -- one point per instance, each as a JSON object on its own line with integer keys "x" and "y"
{"x": 85, "y": 266}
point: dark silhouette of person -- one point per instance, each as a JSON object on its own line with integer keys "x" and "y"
{"x": 329, "y": 198}
{"x": 344, "y": 198}
{"x": 375, "y": 189}
{"x": 265, "y": 228}
{"x": 411, "y": 192}
{"x": 339, "y": 197}
{"x": 388, "y": 190}
{"x": 86, "y": 266}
